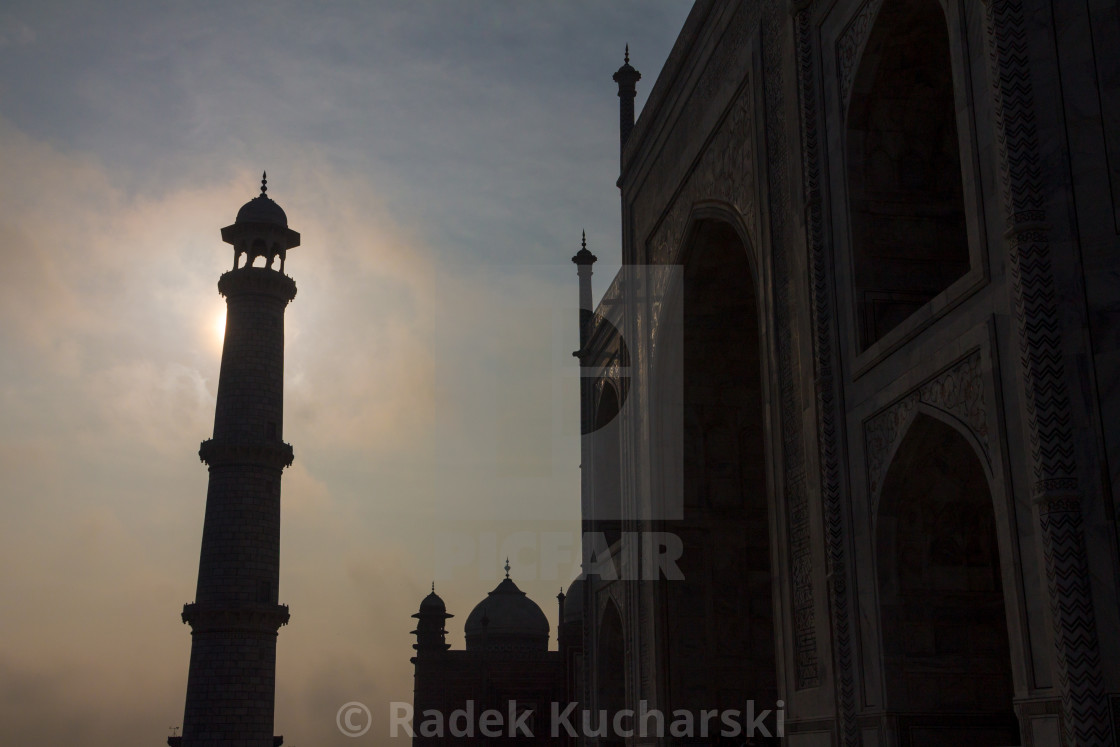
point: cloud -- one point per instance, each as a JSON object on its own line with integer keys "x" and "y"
{"x": 15, "y": 33}
{"x": 393, "y": 364}
{"x": 109, "y": 381}
{"x": 433, "y": 159}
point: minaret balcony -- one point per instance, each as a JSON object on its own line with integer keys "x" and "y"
{"x": 275, "y": 454}
{"x": 249, "y": 616}
{"x": 257, "y": 280}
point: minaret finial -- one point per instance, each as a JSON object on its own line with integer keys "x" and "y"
{"x": 507, "y": 566}
{"x": 264, "y": 183}
{"x": 583, "y": 242}
{"x": 433, "y": 587}
{"x": 627, "y": 78}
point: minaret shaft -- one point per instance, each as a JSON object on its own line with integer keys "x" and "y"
{"x": 251, "y": 386}
{"x": 235, "y": 616}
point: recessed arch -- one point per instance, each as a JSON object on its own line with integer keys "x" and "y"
{"x": 909, "y": 239}
{"x": 607, "y": 466}
{"x": 950, "y": 421}
{"x": 939, "y": 575}
{"x": 706, "y": 213}
{"x": 718, "y": 648}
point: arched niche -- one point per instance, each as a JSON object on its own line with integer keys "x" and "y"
{"x": 719, "y": 642}
{"x": 905, "y": 184}
{"x": 945, "y": 648}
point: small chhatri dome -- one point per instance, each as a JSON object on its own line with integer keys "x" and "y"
{"x": 627, "y": 74}
{"x": 430, "y": 633}
{"x": 261, "y": 209}
{"x": 432, "y": 603}
{"x": 583, "y": 256}
{"x": 506, "y": 620}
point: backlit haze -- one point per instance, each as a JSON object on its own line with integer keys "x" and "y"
{"x": 439, "y": 160}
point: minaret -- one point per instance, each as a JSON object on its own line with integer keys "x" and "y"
{"x": 430, "y": 663}
{"x": 431, "y": 635}
{"x": 583, "y": 261}
{"x": 235, "y": 616}
{"x": 626, "y": 77}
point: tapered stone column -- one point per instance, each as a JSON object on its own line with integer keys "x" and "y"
{"x": 235, "y": 616}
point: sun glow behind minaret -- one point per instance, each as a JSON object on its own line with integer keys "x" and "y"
{"x": 218, "y": 326}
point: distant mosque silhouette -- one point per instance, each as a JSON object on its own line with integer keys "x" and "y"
{"x": 506, "y": 666}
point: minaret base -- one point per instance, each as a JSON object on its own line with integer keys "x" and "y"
{"x": 178, "y": 741}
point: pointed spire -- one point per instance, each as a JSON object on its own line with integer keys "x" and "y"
{"x": 507, "y": 566}
{"x": 264, "y": 183}
{"x": 433, "y": 587}
{"x": 627, "y": 79}
{"x": 584, "y": 257}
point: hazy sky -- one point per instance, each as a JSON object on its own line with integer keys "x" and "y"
{"x": 439, "y": 160}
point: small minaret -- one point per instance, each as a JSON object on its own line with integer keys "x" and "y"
{"x": 626, "y": 77}
{"x": 235, "y": 616}
{"x": 430, "y": 662}
{"x": 431, "y": 634}
{"x": 583, "y": 261}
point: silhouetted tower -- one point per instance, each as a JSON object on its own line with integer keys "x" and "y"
{"x": 235, "y": 616}
{"x": 627, "y": 78}
{"x": 583, "y": 260}
{"x": 431, "y": 635}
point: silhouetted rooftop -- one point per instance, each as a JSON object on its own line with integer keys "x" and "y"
{"x": 506, "y": 619}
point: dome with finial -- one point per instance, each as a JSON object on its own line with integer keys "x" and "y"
{"x": 430, "y": 633}
{"x": 627, "y": 73}
{"x": 432, "y": 603}
{"x": 583, "y": 256}
{"x": 506, "y": 620}
{"x": 261, "y": 209}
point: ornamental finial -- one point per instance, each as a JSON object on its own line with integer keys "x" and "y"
{"x": 583, "y": 257}
{"x": 507, "y": 567}
{"x": 433, "y": 587}
{"x": 626, "y": 59}
{"x": 264, "y": 183}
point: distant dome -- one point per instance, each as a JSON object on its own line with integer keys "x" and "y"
{"x": 573, "y": 601}
{"x": 261, "y": 209}
{"x": 506, "y": 620}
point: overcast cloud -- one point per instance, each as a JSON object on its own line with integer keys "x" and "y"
{"x": 439, "y": 160}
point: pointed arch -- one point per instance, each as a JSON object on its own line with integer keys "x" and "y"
{"x": 917, "y": 408}
{"x": 938, "y": 567}
{"x": 718, "y": 645}
{"x": 905, "y": 183}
